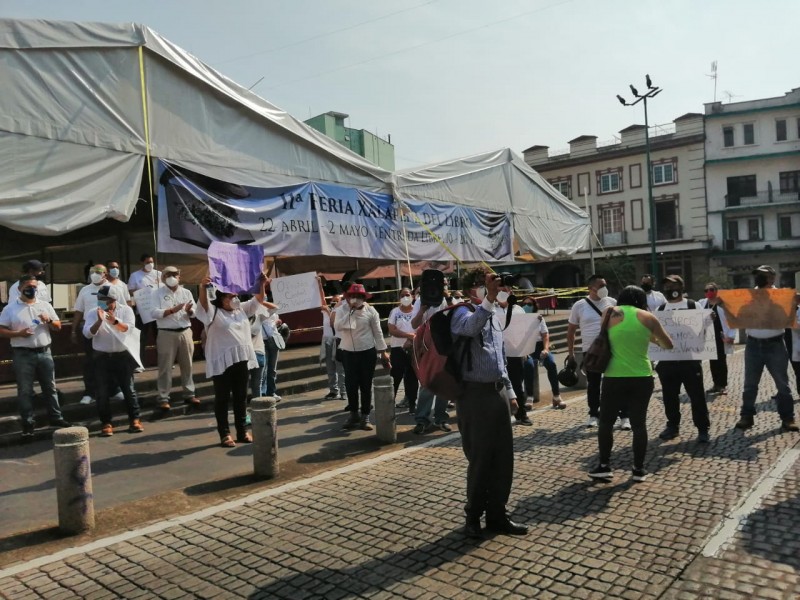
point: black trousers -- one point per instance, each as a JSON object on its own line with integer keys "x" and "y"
{"x": 231, "y": 385}
{"x": 688, "y": 373}
{"x": 403, "y": 370}
{"x": 359, "y": 370}
{"x": 516, "y": 369}
{"x": 719, "y": 367}
{"x": 594, "y": 382}
{"x": 488, "y": 444}
{"x": 114, "y": 371}
{"x": 634, "y": 393}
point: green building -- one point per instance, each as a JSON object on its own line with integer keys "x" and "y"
{"x": 376, "y": 150}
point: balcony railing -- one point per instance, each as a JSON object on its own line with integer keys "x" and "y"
{"x": 667, "y": 232}
{"x": 763, "y": 197}
{"x": 619, "y": 238}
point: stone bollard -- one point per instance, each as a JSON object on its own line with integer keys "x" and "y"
{"x": 265, "y": 437}
{"x": 385, "y": 422}
{"x": 73, "y": 480}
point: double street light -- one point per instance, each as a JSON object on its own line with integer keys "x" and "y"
{"x": 652, "y": 91}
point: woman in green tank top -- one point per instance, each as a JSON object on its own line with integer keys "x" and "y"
{"x": 628, "y": 380}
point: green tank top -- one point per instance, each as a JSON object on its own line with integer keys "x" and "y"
{"x": 629, "y": 342}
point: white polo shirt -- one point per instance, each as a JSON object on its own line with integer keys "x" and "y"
{"x": 108, "y": 338}
{"x": 588, "y": 320}
{"x": 164, "y": 299}
{"x": 21, "y": 315}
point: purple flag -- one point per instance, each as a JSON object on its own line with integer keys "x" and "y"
{"x": 235, "y": 269}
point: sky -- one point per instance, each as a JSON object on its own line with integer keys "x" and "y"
{"x": 452, "y": 78}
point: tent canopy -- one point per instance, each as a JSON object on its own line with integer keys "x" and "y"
{"x": 545, "y": 222}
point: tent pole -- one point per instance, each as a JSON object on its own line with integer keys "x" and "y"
{"x": 398, "y": 277}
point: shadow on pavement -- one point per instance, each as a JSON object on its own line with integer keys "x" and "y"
{"x": 571, "y": 502}
{"x": 221, "y": 485}
{"x": 771, "y": 533}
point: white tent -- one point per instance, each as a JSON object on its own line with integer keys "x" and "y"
{"x": 73, "y": 134}
{"x": 545, "y": 222}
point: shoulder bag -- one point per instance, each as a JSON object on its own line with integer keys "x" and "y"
{"x": 598, "y": 356}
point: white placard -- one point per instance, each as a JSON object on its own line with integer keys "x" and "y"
{"x": 692, "y": 334}
{"x": 295, "y": 292}
{"x": 145, "y": 303}
{"x": 522, "y": 334}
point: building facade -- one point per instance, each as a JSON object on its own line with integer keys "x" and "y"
{"x": 753, "y": 186}
{"x": 610, "y": 182}
{"x": 375, "y": 149}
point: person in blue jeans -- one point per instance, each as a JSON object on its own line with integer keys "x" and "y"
{"x": 544, "y": 356}
{"x": 273, "y": 344}
{"x": 425, "y": 398}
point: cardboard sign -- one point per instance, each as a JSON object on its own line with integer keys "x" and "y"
{"x": 522, "y": 334}
{"x": 296, "y": 292}
{"x": 692, "y": 334}
{"x": 145, "y": 303}
{"x": 767, "y": 308}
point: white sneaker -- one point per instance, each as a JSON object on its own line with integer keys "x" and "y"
{"x": 618, "y": 424}
{"x": 118, "y": 396}
{"x": 625, "y": 424}
{"x": 592, "y": 422}
{"x": 87, "y": 400}
{"x": 277, "y": 398}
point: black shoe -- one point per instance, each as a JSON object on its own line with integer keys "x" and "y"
{"x": 524, "y": 421}
{"x": 703, "y": 437}
{"x": 420, "y": 429}
{"x": 353, "y": 422}
{"x": 638, "y": 475}
{"x": 473, "y": 530}
{"x": 443, "y": 427}
{"x": 346, "y": 408}
{"x": 506, "y": 526}
{"x": 412, "y": 409}
{"x": 745, "y": 422}
{"x": 670, "y": 433}
{"x": 789, "y": 425}
{"x": 60, "y": 423}
{"x": 27, "y": 430}
{"x": 601, "y": 472}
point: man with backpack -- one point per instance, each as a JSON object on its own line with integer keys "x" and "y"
{"x": 483, "y": 409}
{"x": 674, "y": 373}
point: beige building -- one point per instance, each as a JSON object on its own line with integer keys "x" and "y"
{"x": 610, "y": 182}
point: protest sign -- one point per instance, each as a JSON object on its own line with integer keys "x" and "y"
{"x": 235, "y": 269}
{"x": 296, "y": 292}
{"x": 767, "y": 308}
{"x": 692, "y": 334}
{"x": 521, "y": 335}
{"x": 145, "y": 302}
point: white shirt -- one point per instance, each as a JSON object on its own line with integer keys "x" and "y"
{"x": 21, "y": 315}
{"x": 108, "y": 338}
{"x": 654, "y": 300}
{"x": 327, "y": 330}
{"x": 585, "y": 317}
{"x": 142, "y": 279}
{"x": 228, "y": 339}
{"x": 359, "y": 329}
{"x": 500, "y": 313}
{"x": 723, "y": 320}
{"x": 164, "y": 299}
{"x": 42, "y": 292}
{"x": 122, "y": 288}
{"x": 87, "y": 298}
{"x": 401, "y": 320}
{"x": 682, "y": 304}
{"x": 256, "y": 331}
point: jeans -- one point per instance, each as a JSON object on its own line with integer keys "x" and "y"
{"x": 426, "y": 399}
{"x": 334, "y": 368}
{"x": 231, "y": 385}
{"x": 769, "y": 353}
{"x": 402, "y": 370}
{"x": 688, "y": 373}
{"x": 269, "y": 379}
{"x": 634, "y": 392}
{"x": 30, "y": 365}
{"x": 359, "y": 370}
{"x": 257, "y": 375}
{"x": 114, "y": 369}
{"x": 549, "y": 363}
{"x": 89, "y": 378}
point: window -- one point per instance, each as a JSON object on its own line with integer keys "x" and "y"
{"x": 753, "y": 229}
{"x": 785, "y": 227}
{"x": 727, "y": 135}
{"x": 733, "y": 230}
{"x": 667, "y": 219}
{"x": 749, "y": 135}
{"x": 611, "y": 219}
{"x": 780, "y": 130}
{"x": 789, "y": 181}
{"x": 740, "y": 187}
{"x": 663, "y": 174}
{"x": 609, "y": 183}
{"x": 563, "y": 186}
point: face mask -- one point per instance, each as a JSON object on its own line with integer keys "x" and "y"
{"x": 235, "y": 304}
{"x": 406, "y": 300}
{"x": 673, "y": 294}
{"x": 527, "y": 308}
{"x": 114, "y": 272}
{"x": 358, "y": 302}
{"x": 171, "y": 281}
{"x": 96, "y": 278}
{"x": 148, "y": 267}
{"x": 602, "y": 292}
{"x": 480, "y": 293}
{"x": 502, "y": 296}
{"x": 29, "y": 293}
{"x": 711, "y": 294}
{"x": 647, "y": 287}
{"x": 102, "y": 304}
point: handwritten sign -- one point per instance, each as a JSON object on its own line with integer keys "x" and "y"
{"x": 767, "y": 308}
{"x": 692, "y": 334}
{"x": 145, "y": 303}
{"x": 522, "y": 334}
{"x": 234, "y": 269}
{"x": 295, "y": 292}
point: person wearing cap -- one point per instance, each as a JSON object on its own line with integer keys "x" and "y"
{"x": 654, "y": 298}
{"x": 173, "y": 309}
{"x": 676, "y": 373}
{"x": 723, "y": 336}
{"x": 107, "y": 326}
{"x": 27, "y": 322}
{"x": 765, "y": 348}
{"x": 34, "y": 268}
{"x": 359, "y": 328}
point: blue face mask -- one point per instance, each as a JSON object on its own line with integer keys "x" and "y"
{"x": 102, "y": 304}
{"x": 114, "y": 272}
{"x": 527, "y": 308}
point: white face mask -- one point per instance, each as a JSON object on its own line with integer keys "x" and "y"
{"x": 235, "y": 304}
{"x": 602, "y": 292}
{"x": 356, "y": 302}
{"x": 406, "y": 300}
{"x": 502, "y": 296}
{"x": 171, "y": 281}
{"x": 114, "y": 272}
{"x": 148, "y": 267}
{"x": 480, "y": 293}
{"x": 96, "y": 278}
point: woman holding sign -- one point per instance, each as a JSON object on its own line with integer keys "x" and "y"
{"x": 229, "y": 355}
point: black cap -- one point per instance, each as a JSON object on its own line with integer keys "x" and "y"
{"x": 34, "y": 264}
{"x": 108, "y": 292}
{"x": 764, "y": 270}
{"x": 673, "y": 279}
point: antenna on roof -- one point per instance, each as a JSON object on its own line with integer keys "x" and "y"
{"x": 713, "y": 75}
{"x": 730, "y": 95}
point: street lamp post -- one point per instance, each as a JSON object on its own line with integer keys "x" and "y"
{"x": 652, "y": 91}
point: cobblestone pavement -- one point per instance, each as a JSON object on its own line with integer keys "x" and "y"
{"x": 389, "y": 527}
